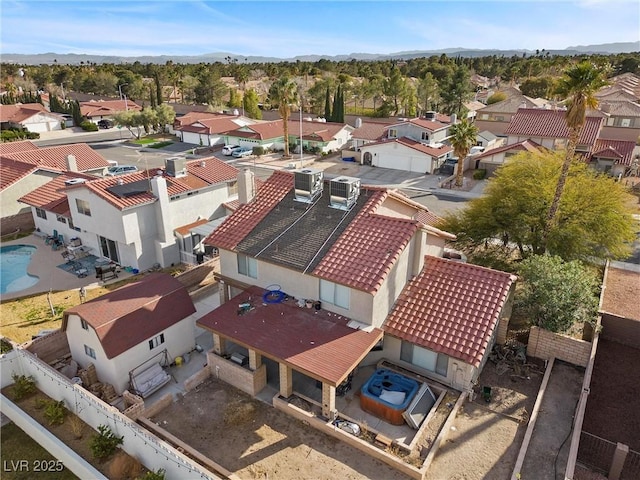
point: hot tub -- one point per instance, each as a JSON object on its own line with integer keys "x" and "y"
{"x": 387, "y": 395}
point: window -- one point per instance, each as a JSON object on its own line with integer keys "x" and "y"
{"x": 425, "y": 136}
{"x": 247, "y": 266}
{"x": 338, "y": 295}
{"x": 61, "y": 219}
{"x": 424, "y": 358}
{"x": 626, "y": 122}
{"x": 393, "y": 133}
{"x": 84, "y": 324}
{"x": 109, "y": 249}
{"x": 155, "y": 341}
{"x": 71, "y": 225}
{"x": 40, "y": 213}
{"x": 484, "y": 116}
{"x": 83, "y": 207}
{"x": 90, "y": 351}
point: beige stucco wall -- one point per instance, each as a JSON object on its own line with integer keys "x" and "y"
{"x": 10, "y": 195}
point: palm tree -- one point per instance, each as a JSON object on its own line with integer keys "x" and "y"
{"x": 284, "y": 92}
{"x": 463, "y": 135}
{"x": 578, "y": 85}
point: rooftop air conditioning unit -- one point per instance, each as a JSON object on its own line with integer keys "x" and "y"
{"x": 74, "y": 181}
{"x": 431, "y": 116}
{"x": 344, "y": 192}
{"x": 176, "y": 167}
{"x": 307, "y": 184}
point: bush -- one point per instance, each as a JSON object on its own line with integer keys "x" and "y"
{"x": 157, "y": 475}
{"x": 40, "y": 403}
{"x": 23, "y": 386}
{"x": 55, "y": 412}
{"x": 258, "y": 150}
{"x": 105, "y": 442}
{"x": 88, "y": 126}
{"x": 5, "y": 345}
{"x": 479, "y": 174}
{"x": 125, "y": 466}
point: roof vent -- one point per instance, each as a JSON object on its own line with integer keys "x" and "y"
{"x": 74, "y": 181}
{"x": 344, "y": 192}
{"x": 176, "y": 167}
{"x": 308, "y": 184}
{"x": 119, "y": 181}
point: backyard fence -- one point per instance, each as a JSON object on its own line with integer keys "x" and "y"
{"x": 138, "y": 442}
{"x": 614, "y": 460}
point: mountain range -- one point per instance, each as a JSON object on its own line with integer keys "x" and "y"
{"x": 77, "y": 59}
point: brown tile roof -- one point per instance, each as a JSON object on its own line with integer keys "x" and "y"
{"x": 315, "y": 342}
{"x": 13, "y": 147}
{"x": 194, "y": 116}
{"x": 11, "y": 171}
{"x": 56, "y": 157}
{"x": 451, "y": 308}
{"x": 53, "y": 193}
{"x": 20, "y": 112}
{"x": 98, "y": 108}
{"x": 211, "y": 126}
{"x": 370, "y": 131}
{"x": 523, "y": 146}
{"x": 428, "y": 124}
{"x": 620, "y": 150}
{"x": 620, "y": 108}
{"x": 536, "y": 122}
{"x": 261, "y": 131}
{"x": 316, "y": 131}
{"x": 620, "y": 295}
{"x": 185, "y": 229}
{"x": 134, "y": 313}
{"x": 508, "y": 105}
{"x": 415, "y": 145}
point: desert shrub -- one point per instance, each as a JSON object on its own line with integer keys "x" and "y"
{"x": 23, "y": 386}
{"x": 88, "y": 126}
{"x": 55, "y": 412}
{"x": 156, "y": 475}
{"x": 5, "y": 345}
{"x": 479, "y": 174}
{"x": 258, "y": 150}
{"x": 77, "y": 426}
{"x": 40, "y": 403}
{"x": 124, "y": 467}
{"x": 105, "y": 442}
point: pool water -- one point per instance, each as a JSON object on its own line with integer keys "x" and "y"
{"x": 14, "y": 260}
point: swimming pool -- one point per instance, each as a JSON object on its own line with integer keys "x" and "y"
{"x": 14, "y": 260}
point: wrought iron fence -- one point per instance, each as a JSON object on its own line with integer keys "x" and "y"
{"x": 631, "y": 469}
{"x": 595, "y": 452}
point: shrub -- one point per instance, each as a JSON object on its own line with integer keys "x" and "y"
{"x": 258, "y": 150}
{"x": 88, "y": 126}
{"x": 55, "y": 412}
{"x": 105, "y": 442}
{"x": 479, "y": 174}
{"x": 124, "y": 466}
{"x": 23, "y": 386}
{"x": 39, "y": 403}
{"x": 77, "y": 426}
{"x": 157, "y": 475}
{"x": 5, "y": 345}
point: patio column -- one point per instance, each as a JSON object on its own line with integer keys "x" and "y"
{"x": 328, "y": 399}
{"x": 286, "y": 380}
{"x": 223, "y": 291}
{"x": 219, "y": 344}
{"x": 255, "y": 360}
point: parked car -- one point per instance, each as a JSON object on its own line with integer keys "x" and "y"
{"x": 242, "y": 152}
{"x": 448, "y": 167}
{"x": 105, "y": 123}
{"x": 229, "y": 149}
{"x": 121, "y": 170}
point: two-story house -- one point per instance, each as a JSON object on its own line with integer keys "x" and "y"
{"x": 311, "y": 271}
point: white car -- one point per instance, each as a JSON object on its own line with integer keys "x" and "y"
{"x": 229, "y": 149}
{"x": 242, "y": 152}
{"x": 121, "y": 170}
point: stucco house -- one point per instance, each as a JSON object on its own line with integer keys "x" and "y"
{"x": 406, "y": 154}
{"x": 32, "y": 116}
{"x": 142, "y": 326}
{"x": 131, "y": 219}
{"x": 496, "y": 117}
{"x": 96, "y": 110}
{"x": 207, "y": 129}
{"x": 350, "y": 251}
{"x": 613, "y": 156}
{"x": 367, "y": 132}
{"x": 622, "y": 119}
{"x": 493, "y": 158}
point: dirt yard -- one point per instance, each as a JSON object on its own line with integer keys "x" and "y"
{"x": 254, "y": 440}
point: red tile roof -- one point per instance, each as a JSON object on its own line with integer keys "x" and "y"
{"x": 415, "y": 145}
{"x": 523, "y": 146}
{"x": 192, "y": 117}
{"x": 370, "y": 131}
{"x": 620, "y": 150}
{"x": 315, "y": 342}
{"x": 11, "y": 171}
{"x": 13, "y": 147}
{"x": 451, "y": 308}
{"x": 261, "y": 131}
{"x": 185, "y": 229}
{"x": 52, "y": 194}
{"x": 539, "y": 122}
{"x": 99, "y": 108}
{"x": 211, "y": 126}
{"x": 56, "y": 157}
{"x": 134, "y": 313}
{"x": 20, "y": 112}
{"x": 314, "y": 131}
{"x": 428, "y": 124}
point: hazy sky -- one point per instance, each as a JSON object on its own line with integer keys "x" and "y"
{"x": 289, "y": 28}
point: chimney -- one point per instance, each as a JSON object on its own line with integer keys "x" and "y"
{"x": 246, "y": 186}
{"x": 72, "y": 164}
{"x": 159, "y": 190}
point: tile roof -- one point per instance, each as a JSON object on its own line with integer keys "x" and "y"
{"x": 125, "y": 317}
{"x": 620, "y": 150}
{"x": 524, "y": 145}
{"x": 96, "y": 108}
{"x": 508, "y": 105}
{"x": 324, "y": 131}
{"x": 536, "y": 122}
{"x": 370, "y": 131}
{"x": 415, "y": 145}
{"x": 11, "y": 171}
{"x": 200, "y": 173}
{"x": 53, "y": 193}
{"x": 355, "y": 248}
{"x": 261, "y": 131}
{"x": 194, "y": 116}
{"x": 13, "y": 147}
{"x": 185, "y": 229}
{"x": 211, "y": 126}
{"x": 315, "y": 342}
{"x": 20, "y": 112}
{"x": 451, "y": 308}
{"x": 56, "y": 157}
{"x": 620, "y": 108}
{"x": 428, "y": 124}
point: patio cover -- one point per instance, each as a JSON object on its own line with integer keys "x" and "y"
{"x": 317, "y": 343}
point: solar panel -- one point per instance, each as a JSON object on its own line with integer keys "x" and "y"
{"x": 130, "y": 189}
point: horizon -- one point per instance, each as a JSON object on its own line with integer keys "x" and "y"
{"x": 139, "y": 28}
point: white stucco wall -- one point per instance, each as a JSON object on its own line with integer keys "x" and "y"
{"x": 42, "y": 122}
{"x": 10, "y": 195}
{"x": 398, "y": 157}
{"x": 178, "y": 339}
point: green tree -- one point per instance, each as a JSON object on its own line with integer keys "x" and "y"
{"x": 165, "y": 115}
{"x": 394, "y": 89}
{"x": 327, "y": 106}
{"x": 283, "y": 93}
{"x": 556, "y": 295}
{"x": 130, "y": 119}
{"x": 427, "y": 93}
{"x": 537, "y": 87}
{"x": 595, "y": 215}
{"x": 578, "y": 85}
{"x": 463, "y": 136}
{"x": 496, "y": 97}
{"x": 234, "y": 98}
{"x": 456, "y": 91}
{"x": 250, "y": 102}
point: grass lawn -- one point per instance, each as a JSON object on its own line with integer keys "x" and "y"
{"x": 18, "y": 447}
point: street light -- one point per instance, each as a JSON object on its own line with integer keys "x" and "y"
{"x": 126, "y": 107}
{"x": 300, "y": 132}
